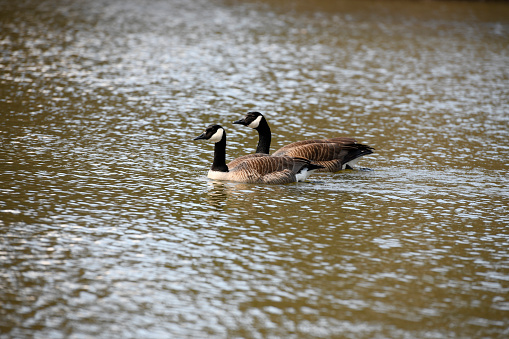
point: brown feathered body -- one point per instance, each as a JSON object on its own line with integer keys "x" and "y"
{"x": 261, "y": 169}
{"x": 334, "y": 154}
{"x": 239, "y": 160}
{"x": 267, "y": 170}
{"x": 338, "y": 140}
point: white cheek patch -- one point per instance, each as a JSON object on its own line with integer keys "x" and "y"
{"x": 255, "y": 122}
{"x": 216, "y": 137}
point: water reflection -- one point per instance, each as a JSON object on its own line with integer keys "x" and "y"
{"x": 217, "y": 193}
{"x": 110, "y": 227}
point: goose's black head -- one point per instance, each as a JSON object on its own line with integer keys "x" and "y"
{"x": 213, "y": 133}
{"x": 252, "y": 119}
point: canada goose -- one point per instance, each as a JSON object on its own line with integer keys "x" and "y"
{"x": 264, "y": 169}
{"x": 334, "y": 154}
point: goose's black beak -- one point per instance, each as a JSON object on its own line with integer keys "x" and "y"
{"x": 201, "y": 136}
{"x": 240, "y": 122}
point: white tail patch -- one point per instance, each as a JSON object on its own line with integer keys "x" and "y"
{"x": 256, "y": 122}
{"x": 304, "y": 174}
{"x": 352, "y": 163}
{"x": 216, "y": 137}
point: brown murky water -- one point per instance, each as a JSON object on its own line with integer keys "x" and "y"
{"x": 110, "y": 228}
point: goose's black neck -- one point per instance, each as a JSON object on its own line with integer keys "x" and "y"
{"x": 264, "y": 137}
{"x": 219, "y": 163}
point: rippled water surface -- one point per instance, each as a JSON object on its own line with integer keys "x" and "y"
{"x": 110, "y": 228}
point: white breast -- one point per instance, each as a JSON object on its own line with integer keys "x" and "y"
{"x": 216, "y": 175}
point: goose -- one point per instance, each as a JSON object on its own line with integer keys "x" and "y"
{"x": 264, "y": 169}
{"x": 333, "y": 154}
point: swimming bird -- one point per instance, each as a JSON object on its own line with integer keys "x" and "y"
{"x": 333, "y": 154}
{"x": 264, "y": 169}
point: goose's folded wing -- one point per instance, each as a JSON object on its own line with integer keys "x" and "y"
{"x": 280, "y": 177}
{"x": 319, "y": 151}
{"x": 235, "y": 162}
{"x": 296, "y": 145}
{"x": 268, "y": 164}
{"x": 270, "y": 170}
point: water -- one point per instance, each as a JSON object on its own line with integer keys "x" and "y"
{"x": 110, "y": 227}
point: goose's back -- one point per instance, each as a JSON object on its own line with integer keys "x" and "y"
{"x": 235, "y": 162}
{"x": 295, "y": 145}
{"x": 332, "y": 155}
{"x": 268, "y": 170}
{"x": 318, "y": 151}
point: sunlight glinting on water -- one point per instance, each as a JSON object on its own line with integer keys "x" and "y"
{"x": 111, "y": 228}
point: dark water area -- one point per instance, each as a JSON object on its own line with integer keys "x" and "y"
{"x": 110, "y": 228}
